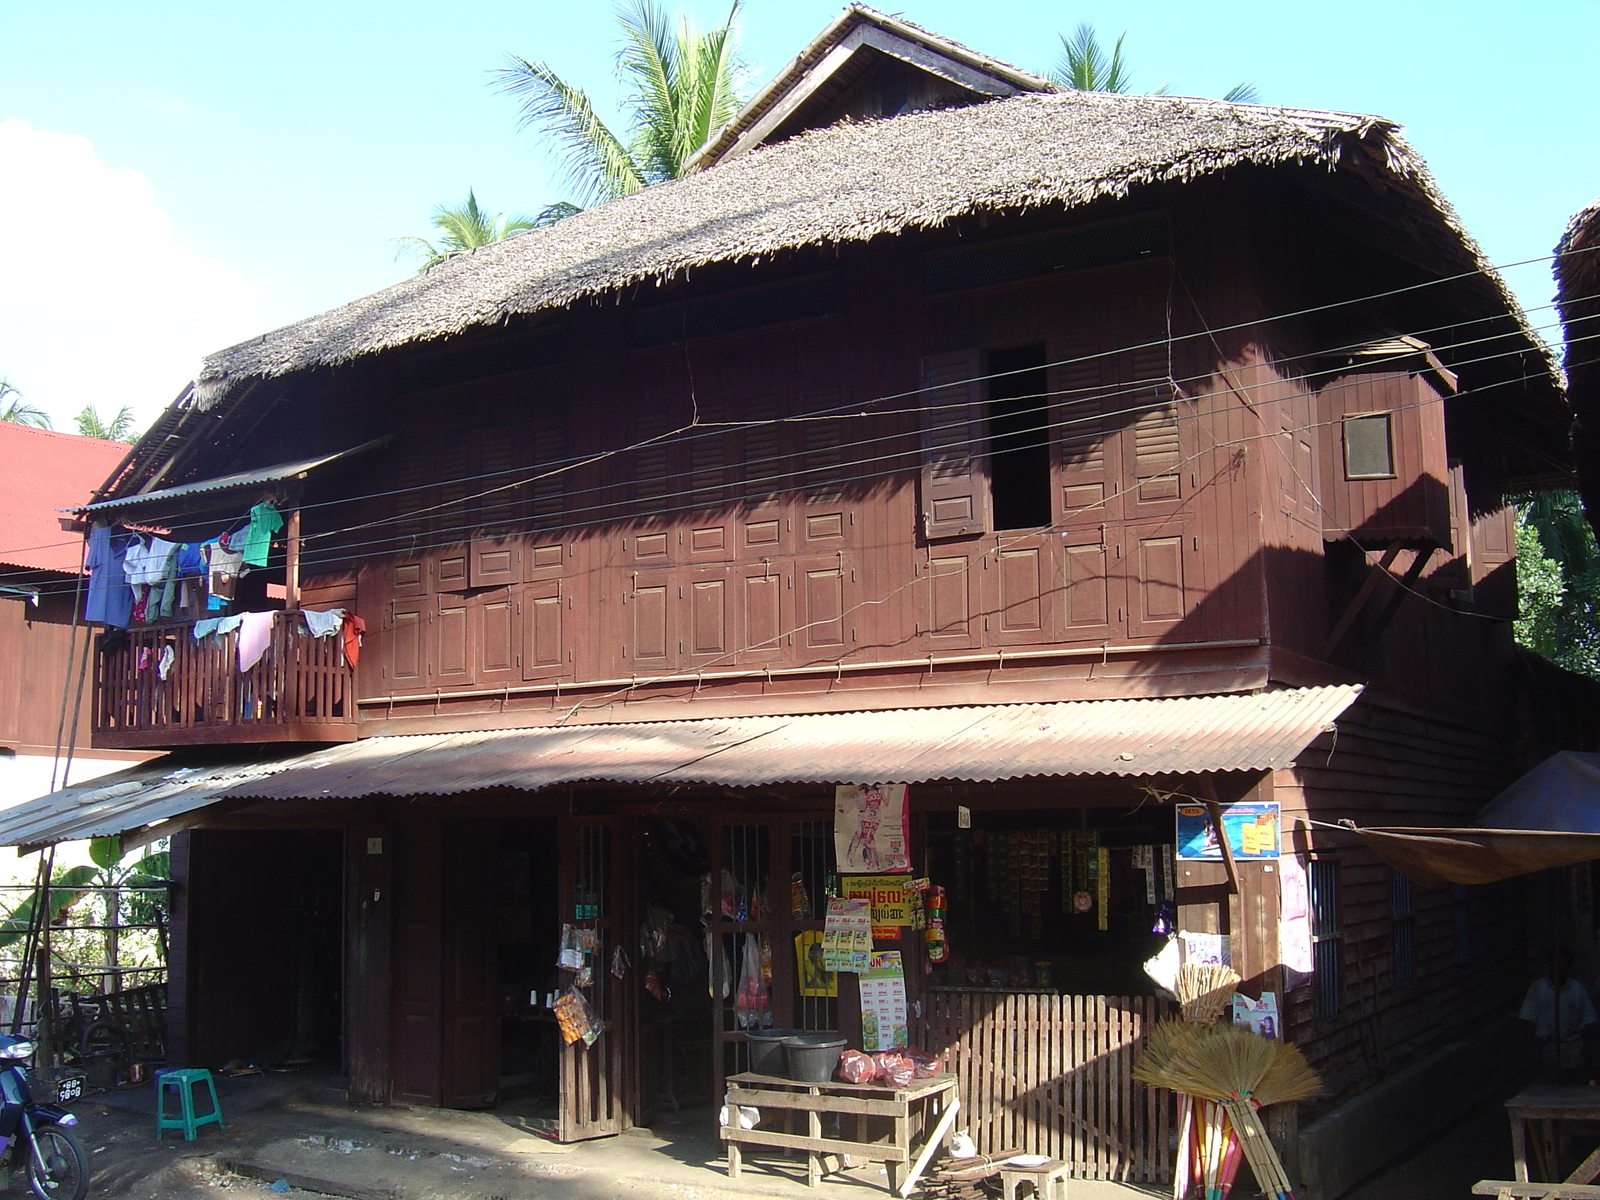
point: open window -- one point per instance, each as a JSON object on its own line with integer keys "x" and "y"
{"x": 1018, "y": 428}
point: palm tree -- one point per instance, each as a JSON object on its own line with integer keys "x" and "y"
{"x": 462, "y": 227}
{"x": 683, "y": 87}
{"x": 1085, "y": 66}
{"x": 119, "y": 429}
{"x": 18, "y": 411}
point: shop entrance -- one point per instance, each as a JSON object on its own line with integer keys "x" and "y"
{"x": 1041, "y": 1005}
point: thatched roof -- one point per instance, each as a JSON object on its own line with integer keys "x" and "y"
{"x": 1577, "y": 271}
{"x": 850, "y": 183}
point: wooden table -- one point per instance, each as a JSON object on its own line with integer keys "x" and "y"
{"x": 1538, "y": 1110}
{"x": 900, "y": 1127}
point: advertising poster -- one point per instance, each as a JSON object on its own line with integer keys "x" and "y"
{"x": 1252, "y": 829}
{"x": 885, "y": 1024}
{"x": 891, "y": 902}
{"x": 871, "y": 834}
{"x": 815, "y": 979}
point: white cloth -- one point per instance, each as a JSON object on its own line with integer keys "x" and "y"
{"x": 255, "y": 633}
{"x": 164, "y": 663}
{"x": 1577, "y": 1010}
{"x": 148, "y": 564}
{"x": 324, "y": 624}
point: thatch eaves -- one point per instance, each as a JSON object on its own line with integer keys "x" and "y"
{"x": 853, "y": 182}
{"x": 1577, "y": 272}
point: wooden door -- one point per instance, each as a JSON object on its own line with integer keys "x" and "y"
{"x": 469, "y": 1025}
{"x": 418, "y": 909}
{"x": 598, "y": 1095}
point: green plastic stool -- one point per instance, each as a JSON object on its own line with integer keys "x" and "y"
{"x": 183, "y": 1079}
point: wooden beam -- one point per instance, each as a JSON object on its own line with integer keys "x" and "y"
{"x": 1208, "y": 791}
{"x": 291, "y": 561}
{"x": 1359, "y": 601}
{"x": 1403, "y": 588}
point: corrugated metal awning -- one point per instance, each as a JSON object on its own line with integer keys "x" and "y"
{"x": 142, "y": 795}
{"x": 228, "y": 483}
{"x": 979, "y": 744}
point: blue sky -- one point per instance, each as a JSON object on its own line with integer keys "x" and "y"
{"x": 176, "y": 176}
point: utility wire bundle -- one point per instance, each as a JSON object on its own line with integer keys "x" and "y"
{"x": 1228, "y": 1074}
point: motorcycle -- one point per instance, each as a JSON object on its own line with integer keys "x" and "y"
{"x": 36, "y": 1137}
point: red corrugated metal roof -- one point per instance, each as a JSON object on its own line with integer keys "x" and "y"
{"x": 42, "y": 471}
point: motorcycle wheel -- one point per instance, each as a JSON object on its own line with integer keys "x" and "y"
{"x": 66, "y": 1163}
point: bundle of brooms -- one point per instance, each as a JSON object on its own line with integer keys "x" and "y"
{"x": 1205, "y": 990}
{"x": 1229, "y": 1073}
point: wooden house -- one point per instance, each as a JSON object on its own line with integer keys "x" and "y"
{"x": 1072, "y": 458}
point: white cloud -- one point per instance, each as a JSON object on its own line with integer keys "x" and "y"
{"x": 99, "y": 302}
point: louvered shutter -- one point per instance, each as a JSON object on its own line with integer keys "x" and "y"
{"x": 954, "y": 491}
{"x": 1084, "y": 382}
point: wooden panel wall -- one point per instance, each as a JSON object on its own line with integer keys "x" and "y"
{"x": 35, "y": 646}
{"x": 1389, "y": 766}
{"x": 1050, "y": 1075}
{"x": 785, "y": 529}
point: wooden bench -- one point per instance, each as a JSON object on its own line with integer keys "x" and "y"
{"x": 1510, "y": 1189}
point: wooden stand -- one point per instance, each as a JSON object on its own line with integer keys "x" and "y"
{"x": 1049, "y": 1180}
{"x": 1538, "y": 1110}
{"x": 897, "y": 1126}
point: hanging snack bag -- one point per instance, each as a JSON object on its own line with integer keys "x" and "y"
{"x": 576, "y": 1018}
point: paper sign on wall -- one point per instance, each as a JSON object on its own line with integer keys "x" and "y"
{"x": 870, "y": 831}
{"x": 884, "y": 1020}
{"x": 814, "y": 977}
{"x": 1252, "y": 830}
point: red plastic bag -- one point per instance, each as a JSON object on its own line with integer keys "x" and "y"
{"x": 925, "y": 1064}
{"x": 856, "y": 1067}
{"x": 894, "y": 1068}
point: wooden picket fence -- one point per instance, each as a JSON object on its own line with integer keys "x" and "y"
{"x": 1052, "y": 1075}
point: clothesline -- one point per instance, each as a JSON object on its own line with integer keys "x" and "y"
{"x": 254, "y": 636}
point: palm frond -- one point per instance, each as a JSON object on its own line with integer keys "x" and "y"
{"x": 462, "y": 228}
{"x": 595, "y": 162}
{"x": 1085, "y": 66}
{"x": 651, "y": 65}
{"x": 17, "y": 411}
{"x": 551, "y": 213}
{"x": 714, "y": 97}
{"x": 1243, "y": 93}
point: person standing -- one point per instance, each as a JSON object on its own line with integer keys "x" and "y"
{"x": 1561, "y": 1013}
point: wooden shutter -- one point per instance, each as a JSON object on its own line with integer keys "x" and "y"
{"x": 954, "y": 492}
{"x": 1156, "y": 458}
{"x": 1084, "y": 383}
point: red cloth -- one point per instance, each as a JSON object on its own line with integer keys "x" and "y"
{"x": 354, "y": 627}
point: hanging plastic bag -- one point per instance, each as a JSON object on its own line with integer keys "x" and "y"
{"x": 576, "y": 1018}
{"x": 752, "y": 1005}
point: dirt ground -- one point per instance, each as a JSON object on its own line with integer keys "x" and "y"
{"x": 289, "y": 1135}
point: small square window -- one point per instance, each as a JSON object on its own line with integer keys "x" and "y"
{"x": 1368, "y": 447}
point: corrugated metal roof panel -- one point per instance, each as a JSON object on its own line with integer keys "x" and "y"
{"x": 979, "y": 744}
{"x": 131, "y": 799}
{"x": 226, "y": 483}
{"x": 41, "y": 471}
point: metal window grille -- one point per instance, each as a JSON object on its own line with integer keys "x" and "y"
{"x": 1324, "y": 880}
{"x": 1402, "y": 931}
{"x": 1463, "y": 925}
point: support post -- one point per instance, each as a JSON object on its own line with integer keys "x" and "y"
{"x": 291, "y": 561}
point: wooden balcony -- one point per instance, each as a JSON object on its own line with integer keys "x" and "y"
{"x": 300, "y": 691}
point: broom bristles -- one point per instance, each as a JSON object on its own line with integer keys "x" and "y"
{"x": 1205, "y": 989}
{"x": 1224, "y": 1061}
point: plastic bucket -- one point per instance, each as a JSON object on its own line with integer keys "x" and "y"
{"x": 766, "y": 1050}
{"x": 813, "y": 1057}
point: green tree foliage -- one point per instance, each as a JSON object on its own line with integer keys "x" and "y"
{"x": 462, "y": 228}
{"x": 681, "y": 86}
{"x": 1086, "y": 66}
{"x": 1558, "y": 582}
{"x": 17, "y": 411}
{"x": 119, "y": 428}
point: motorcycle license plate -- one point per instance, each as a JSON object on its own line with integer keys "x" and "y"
{"x": 69, "y": 1089}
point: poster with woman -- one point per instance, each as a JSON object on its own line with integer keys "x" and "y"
{"x": 870, "y": 828}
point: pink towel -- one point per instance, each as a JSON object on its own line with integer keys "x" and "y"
{"x": 255, "y": 631}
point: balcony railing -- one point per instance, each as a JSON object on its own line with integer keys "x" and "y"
{"x": 300, "y": 691}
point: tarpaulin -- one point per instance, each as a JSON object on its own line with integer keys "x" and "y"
{"x": 1548, "y": 818}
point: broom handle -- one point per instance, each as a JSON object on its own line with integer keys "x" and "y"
{"x": 1264, "y": 1160}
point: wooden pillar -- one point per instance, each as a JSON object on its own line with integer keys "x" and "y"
{"x": 369, "y": 854}
{"x": 291, "y": 561}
